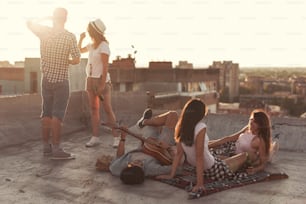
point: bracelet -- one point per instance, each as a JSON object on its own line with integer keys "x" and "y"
{"x": 123, "y": 140}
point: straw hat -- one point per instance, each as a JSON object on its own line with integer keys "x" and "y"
{"x": 99, "y": 26}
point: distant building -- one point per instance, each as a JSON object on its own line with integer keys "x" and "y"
{"x": 166, "y": 87}
{"x": 160, "y": 65}
{"x": 246, "y": 107}
{"x": 263, "y": 101}
{"x": 255, "y": 83}
{"x": 5, "y": 64}
{"x": 19, "y": 64}
{"x": 251, "y": 104}
{"x": 123, "y": 63}
{"x": 11, "y": 80}
{"x": 32, "y": 77}
{"x": 299, "y": 86}
{"x": 229, "y": 77}
{"x": 184, "y": 65}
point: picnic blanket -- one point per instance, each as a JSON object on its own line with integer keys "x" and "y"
{"x": 188, "y": 179}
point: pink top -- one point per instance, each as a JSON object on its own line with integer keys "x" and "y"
{"x": 243, "y": 144}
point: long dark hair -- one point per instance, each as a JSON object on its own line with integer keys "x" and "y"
{"x": 262, "y": 119}
{"x": 193, "y": 111}
{"x": 97, "y": 37}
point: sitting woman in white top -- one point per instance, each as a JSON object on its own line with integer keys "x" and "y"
{"x": 255, "y": 138}
{"x": 192, "y": 140}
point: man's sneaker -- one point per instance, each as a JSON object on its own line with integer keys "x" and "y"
{"x": 147, "y": 114}
{"x": 116, "y": 142}
{"x": 93, "y": 142}
{"x": 47, "y": 150}
{"x": 60, "y": 154}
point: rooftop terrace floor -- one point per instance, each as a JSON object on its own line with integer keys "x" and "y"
{"x": 28, "y": 177}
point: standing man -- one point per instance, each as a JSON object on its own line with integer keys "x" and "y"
{"x": 58, "y": 49}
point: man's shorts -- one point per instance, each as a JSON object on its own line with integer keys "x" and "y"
{"x": 55, "y": 98}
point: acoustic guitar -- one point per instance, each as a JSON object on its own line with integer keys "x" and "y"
{"x": 152, "y": 147}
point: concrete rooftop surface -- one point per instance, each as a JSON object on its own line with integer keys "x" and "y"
{"x": 28, "y": 177}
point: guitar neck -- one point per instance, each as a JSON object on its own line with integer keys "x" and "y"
{"x": 132, "y": 134}
{"x": 151, "y": 147}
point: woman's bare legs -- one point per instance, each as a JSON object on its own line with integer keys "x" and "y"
{"x": 110, "y": 115}
{"x": 236, "y": 162}
{"x": 95, "y": 118}
{"x": 95, "y": 113}
{"x": 168, "y": 119}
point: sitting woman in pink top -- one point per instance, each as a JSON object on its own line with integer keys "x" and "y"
{"x": 192, "y": 141}
{"x": 255, "y": 139}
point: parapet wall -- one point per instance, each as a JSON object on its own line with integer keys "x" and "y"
{"x": 20, "y": 121}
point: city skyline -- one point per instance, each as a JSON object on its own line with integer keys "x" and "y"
{"x": 266, "y": 33}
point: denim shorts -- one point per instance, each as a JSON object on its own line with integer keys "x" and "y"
{"x": 55, "y": 98}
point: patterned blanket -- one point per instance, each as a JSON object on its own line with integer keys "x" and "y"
{"x": 188, "y": 179}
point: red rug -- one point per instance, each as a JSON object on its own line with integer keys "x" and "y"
{"x": 188, "y": 179}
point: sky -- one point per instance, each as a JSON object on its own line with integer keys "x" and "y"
{"x": 253, "y": 33}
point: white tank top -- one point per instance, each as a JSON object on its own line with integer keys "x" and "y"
{"x": 190, "y": 151}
